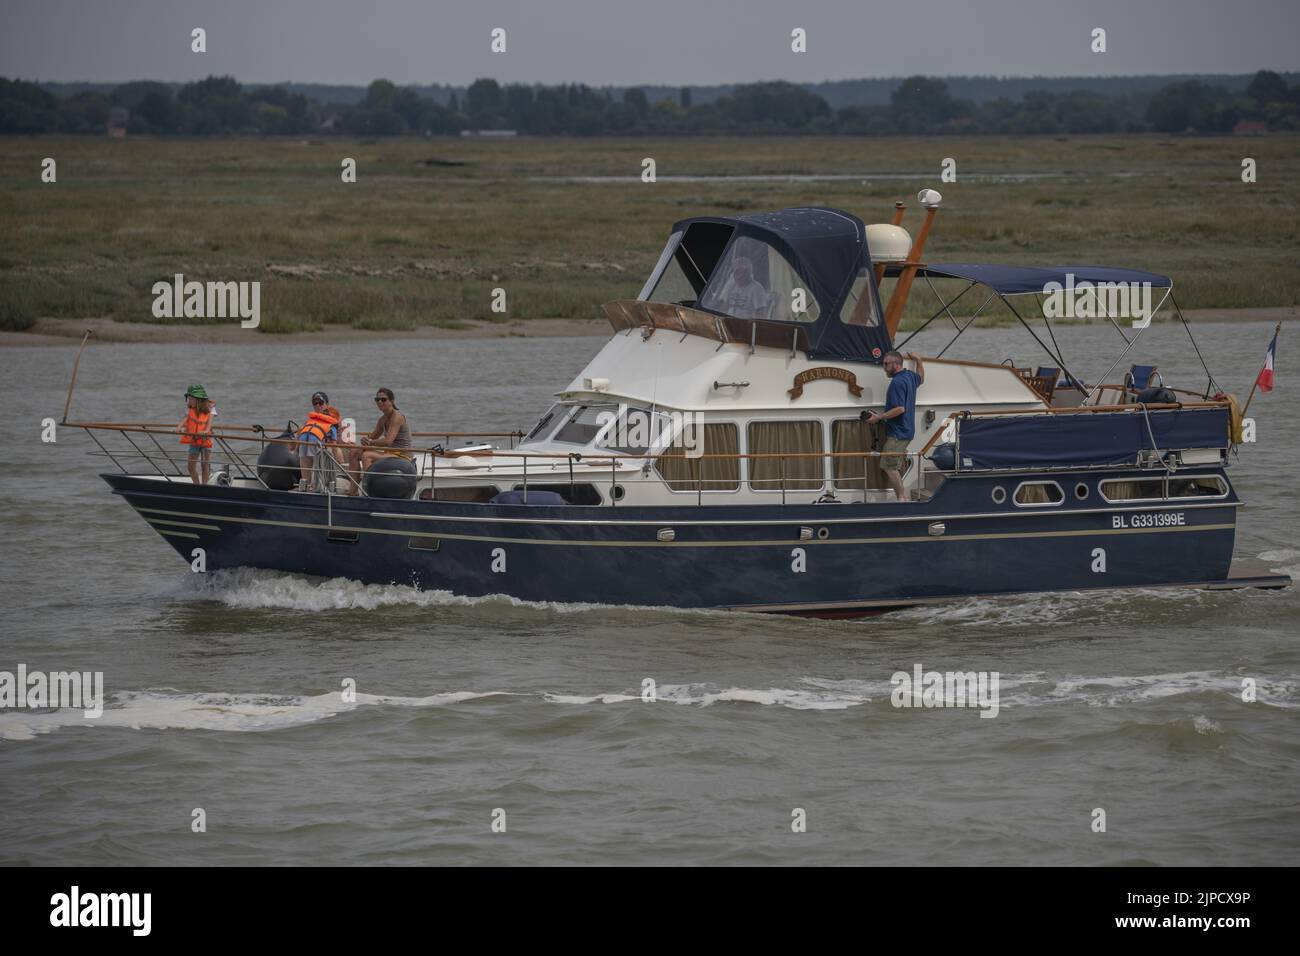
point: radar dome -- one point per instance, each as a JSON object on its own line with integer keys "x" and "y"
{"x": 888, "y": 243}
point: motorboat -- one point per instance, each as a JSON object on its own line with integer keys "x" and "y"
{"x": 714, "y": 453}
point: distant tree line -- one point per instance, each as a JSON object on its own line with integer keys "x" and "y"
{"x": 919, "y": 105}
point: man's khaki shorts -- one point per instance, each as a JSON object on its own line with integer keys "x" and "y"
{"x": 893, "y": 453}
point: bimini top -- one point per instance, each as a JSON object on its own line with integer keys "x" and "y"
{"x": 1025, "y": 280}
{"x": 807, "y": 266}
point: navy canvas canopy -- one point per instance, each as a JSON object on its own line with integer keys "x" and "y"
{"x": 822, "y": 244}
{"x": 1095, "y": 438}
{"x": 826, "y": 247}
{"x": 1020, "y": 280}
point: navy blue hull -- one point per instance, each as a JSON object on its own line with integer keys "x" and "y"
{"x": 757, "y": 557}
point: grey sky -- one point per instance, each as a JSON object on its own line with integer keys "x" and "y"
{"x": 625, "y": 42}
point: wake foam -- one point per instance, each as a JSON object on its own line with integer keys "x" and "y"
{"x": 1283, "y": 561}
{"x": 706, "y": 695}
{"x": 241, "y": 713}
{"x": 245, "y": 713}
{"x": 1121, "y": 691}
{"x": 255, "y": 589}
{"x": 1049, "y": 607}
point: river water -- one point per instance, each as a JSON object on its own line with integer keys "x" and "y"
{"x": 223, "y": 691}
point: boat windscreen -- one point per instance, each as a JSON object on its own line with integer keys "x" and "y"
{"x": 544, "y": 424}
{"x": 755, "y": 281}
{"x": 585, "y": 423}
{"x": 862, "y": 305}
{"x": 686, "y": 264}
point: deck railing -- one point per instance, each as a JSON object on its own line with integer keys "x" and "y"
{"x": 580, "y": 467}
{"x": 146, "y": 442}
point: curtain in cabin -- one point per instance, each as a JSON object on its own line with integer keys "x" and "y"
{"x": 705, "y": 474}
{"x": 783, "y": 441}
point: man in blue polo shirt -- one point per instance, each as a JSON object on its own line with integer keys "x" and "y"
{"x": 899, "y": 416}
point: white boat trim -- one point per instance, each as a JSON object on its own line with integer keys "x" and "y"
{"x": 661, "y": 522}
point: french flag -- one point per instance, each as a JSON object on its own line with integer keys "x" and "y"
{"x": 1265, "y": 380}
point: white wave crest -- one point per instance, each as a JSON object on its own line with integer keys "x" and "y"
{"x": 1049, "y": 607}
{"x": 167, "y": 710}
{"x": 173, "y": 710}
{"x": 251, "y": 588}
{"x": 1123, "y": 690}
{"x": 1204, "y": 725}
{"x": 1283, "y": 561}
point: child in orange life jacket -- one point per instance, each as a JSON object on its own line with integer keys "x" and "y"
{"x": 322, "y": 426}
{"x": 196, "y": 432}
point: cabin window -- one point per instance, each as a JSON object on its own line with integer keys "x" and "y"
{"x": 701, "y": 473}
{"x": 862, "y": 306}
{"x": 790, "y": 456}
{"x": 1153, "y": 489}
{"x": 855, "y": 474}
{"x": 585, "y": 423}
{"x": 638, "y": 431}
{"x": 1144, "y": 490}
{"x": 1201, "y": 486}
{"x": 755, "y": 281}
{"x": 1038, "y": 493}
{"x": 479, "y": 494}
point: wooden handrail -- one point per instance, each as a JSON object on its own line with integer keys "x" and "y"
{"x": 607, "y": 458}
{"x": 1087, "y": 409}
{"x": 251, "y": 428}
{"x": 602, "y": 459}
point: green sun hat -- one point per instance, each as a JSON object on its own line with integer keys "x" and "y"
{"x": 196, "y": 391}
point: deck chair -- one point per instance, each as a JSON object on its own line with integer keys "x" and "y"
{"x": 1139, "y": 377}
{"x": 1044, "y": 381}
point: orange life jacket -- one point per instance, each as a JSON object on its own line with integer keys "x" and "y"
{"x": 195, "y": 426}
{"x": 320, "y": 423}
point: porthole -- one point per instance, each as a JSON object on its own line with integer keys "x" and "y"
{"x": 999, "y": 495}
{"x": 1081, "y": 491}
{"x": 617, "y": 492}
{"x": 823, "y": 533}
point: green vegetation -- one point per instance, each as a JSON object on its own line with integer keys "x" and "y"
{"x": 432, "y": 225}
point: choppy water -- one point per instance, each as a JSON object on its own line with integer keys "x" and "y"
{"x": 224, "y": 691}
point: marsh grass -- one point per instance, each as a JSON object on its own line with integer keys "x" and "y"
{"x": 432, "y": 226}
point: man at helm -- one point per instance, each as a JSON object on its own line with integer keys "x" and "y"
{"x": 743, "y": 296}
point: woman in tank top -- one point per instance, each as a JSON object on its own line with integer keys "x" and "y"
{"x": 392, "y": 431}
